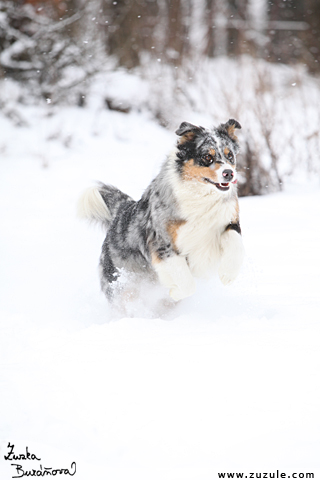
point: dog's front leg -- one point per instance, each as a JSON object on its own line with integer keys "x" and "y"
{"x": 232, "y": 255}
{"x": 174, "y": 273}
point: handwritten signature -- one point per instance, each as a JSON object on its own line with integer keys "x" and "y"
{"x": 40, "y": 471}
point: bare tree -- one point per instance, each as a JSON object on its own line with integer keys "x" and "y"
{"x": 38, "y": 49}
{"x": 129, "y": 29}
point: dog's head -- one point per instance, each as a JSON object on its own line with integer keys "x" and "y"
{"x": 208, "y": 156}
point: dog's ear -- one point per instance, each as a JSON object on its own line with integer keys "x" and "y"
{"x": 188, "y": 131}
{"x": 230, "y": 127}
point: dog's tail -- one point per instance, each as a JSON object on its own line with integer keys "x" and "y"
{"x": 100, "y": 203}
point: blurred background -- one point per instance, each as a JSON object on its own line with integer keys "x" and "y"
{"x": 196, "y": 60}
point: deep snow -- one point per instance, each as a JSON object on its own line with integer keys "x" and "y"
{"x": 227, "y": 382}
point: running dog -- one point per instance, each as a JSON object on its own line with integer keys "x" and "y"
{"x": 186, "y": 223}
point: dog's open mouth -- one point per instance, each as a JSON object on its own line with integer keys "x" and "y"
{"x": 220, "y": 186}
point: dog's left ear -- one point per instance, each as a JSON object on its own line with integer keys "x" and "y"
{"x": 230, "y": 127}
{"x": 188, "y": 131}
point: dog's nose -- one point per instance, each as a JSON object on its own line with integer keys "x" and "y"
{"x": 228, "y": 175}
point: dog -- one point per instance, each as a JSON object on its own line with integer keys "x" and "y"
{"x": 186, "y": 223}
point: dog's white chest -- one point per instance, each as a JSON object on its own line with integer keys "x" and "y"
{"x": 199, "y": 238}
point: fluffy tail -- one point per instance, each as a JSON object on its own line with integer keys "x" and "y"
{"x": 101, "y": 203}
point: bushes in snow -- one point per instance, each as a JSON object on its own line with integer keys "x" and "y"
{"x": 276, "y": 105}
{"x": 170, "y": 70}
{"x": 51, "y": 56}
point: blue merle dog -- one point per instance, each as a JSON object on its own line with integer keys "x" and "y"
{"x": 186, "y": 223}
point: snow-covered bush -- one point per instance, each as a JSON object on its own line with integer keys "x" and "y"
{"x": 49, "y": 56}
{"x": 277, "y": 106}
{"x": 68, "y": 60}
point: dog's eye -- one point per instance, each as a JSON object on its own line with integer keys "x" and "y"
{"x": 230, "y": 156}
{"x": 207, "y": 159}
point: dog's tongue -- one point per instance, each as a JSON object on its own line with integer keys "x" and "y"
{"x": 235, "y": 181}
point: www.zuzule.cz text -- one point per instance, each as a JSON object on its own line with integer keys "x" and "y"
{"x": 275, "y": 475}
{"x": 40, "y": 471}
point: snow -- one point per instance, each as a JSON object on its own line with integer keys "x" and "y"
{"x": 228, "y": 381}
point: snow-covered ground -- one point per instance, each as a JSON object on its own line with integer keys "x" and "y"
{"x": 227, "y": 382}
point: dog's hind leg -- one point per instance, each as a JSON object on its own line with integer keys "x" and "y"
{"x": 174, "y": 273}
{"x": 108, "y": 272}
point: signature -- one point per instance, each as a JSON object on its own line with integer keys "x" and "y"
{"x": 40, "y": 471}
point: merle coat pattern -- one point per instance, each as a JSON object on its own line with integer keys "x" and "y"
{"x": 186, "y": 223}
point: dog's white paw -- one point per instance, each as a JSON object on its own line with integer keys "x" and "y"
{"x": 232, "y": 257}
{"x": 228, "y": 274}
{"x": 174, "y": 273}
{"x": 181, "y": 292}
